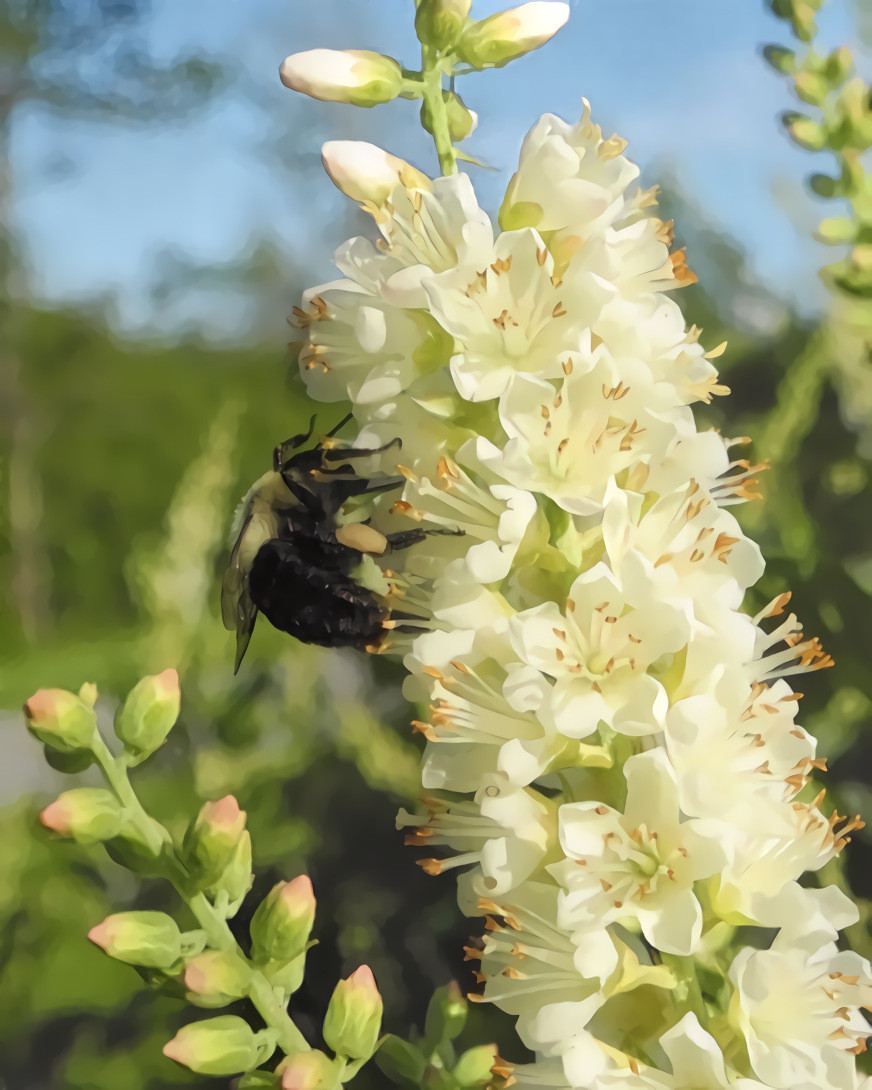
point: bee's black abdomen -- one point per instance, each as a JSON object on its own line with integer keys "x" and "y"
{"x": 312, "y": 603}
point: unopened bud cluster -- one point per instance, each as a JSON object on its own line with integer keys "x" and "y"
{"x": 613, "y": 762}
{"x": 444, "y": 27}
{"x": 211, "y": 870}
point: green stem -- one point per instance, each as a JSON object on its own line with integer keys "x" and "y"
{"x": 684, "y": 969}
{"x": 431, "y": 92}
{"x": 262, "y": 994}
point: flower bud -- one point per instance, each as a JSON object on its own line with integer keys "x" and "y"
{"x": 224, "y": 1045}
{"x": 150, "y": 939}
{"x": 237, "y": 877}
{"x": 212, "y": 841}
{"x": 309, "y": 1071}
{"x": 281, "y": 926}
{"x": 216, "y": 977}
{"x": 805, "y": 132}
{"x": 461, "y": 120}
{"x": 86, "y": 814}
{"x": 366, "y": 173}
{"x": 507, "y": 35}
{"x": 357, "y": 76}
{"x": 60, "y": 720}
{"x": 438, "y": 22}
{"x": 354, "y": 1015}
{"x": 446, "y": 1015}
{"x": 474, "y": 1066}
{"x": 149, "y": 713}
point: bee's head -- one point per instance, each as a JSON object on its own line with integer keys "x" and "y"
{"x": 293, "y": 443}
{"x": 296, "y": 441}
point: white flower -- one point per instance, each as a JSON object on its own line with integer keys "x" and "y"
{"x": 493, "y": 517}
{"x": 568, "y": 177}
{"x": 599, "y": 650}
{"x": 507, "y": 316}
{"x": 570, "y": 443}
{"x": 427, "y": 227}
{"x": 652, "y": 328}
{"x": 693, "y": 551}
{"x": 505, "y": 831}
{"x": 728, "y": 752}
{"x": 488, "y": 713}
{"x": 799, "y": 1011}
{"x": 528, "y": 960}
{"x": 360, "y": 348}
{"x": 640, "y": 864}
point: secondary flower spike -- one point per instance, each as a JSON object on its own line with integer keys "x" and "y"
{"x": 613, "y": 763}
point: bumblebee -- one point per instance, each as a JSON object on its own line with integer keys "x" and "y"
{"x": 294, "y": 561}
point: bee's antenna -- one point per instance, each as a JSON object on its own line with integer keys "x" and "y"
{"x": 340, "y": 425}
{"x": 292, "y": 443}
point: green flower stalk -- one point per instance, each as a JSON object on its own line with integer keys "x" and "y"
{"x": 211, "y": 872}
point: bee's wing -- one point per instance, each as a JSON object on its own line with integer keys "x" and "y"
{"x": 238, "y": 612}
{"x": 244, "y": 629}
{"x": 234, "y": 586}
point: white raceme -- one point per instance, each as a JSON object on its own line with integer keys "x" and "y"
{"x": 612, "y": 761}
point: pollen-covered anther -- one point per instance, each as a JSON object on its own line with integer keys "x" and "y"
{"x": 317, "y": 312}
{"x": 615, "y": 393}
{"x": 611, "y": 148}
{"x": 403, "y": 507}
{"x": 680, "y": 270}
{"x": 502, "y": 1069}
{"x": 707, "y": 388}
{"x": 447, "y": 470}
{"x": 431, "y": 866}
{"x": 737, "y": 487}
{"x": 503, "y": 320}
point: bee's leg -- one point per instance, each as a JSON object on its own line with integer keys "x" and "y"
{"x": 339, "y": 454}
{"x": 339, "y": 491}
{"x": 340, "y": 425}
{"x": 402, "y": 539}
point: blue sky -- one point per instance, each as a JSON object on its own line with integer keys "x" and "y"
{"x": 682, "y": 80}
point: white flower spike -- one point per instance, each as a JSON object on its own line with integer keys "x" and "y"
{"x": 612, "y": 759}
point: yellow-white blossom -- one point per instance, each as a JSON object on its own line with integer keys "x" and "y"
{"x": 613, "y": 761}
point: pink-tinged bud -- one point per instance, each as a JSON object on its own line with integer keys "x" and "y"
{"x": 281, "y": 926}
{"x": 216, "y": 977}
{"x": 212, "y": 838}
{"x": 224, "y": 1045}
{"x": 366, "y": 173}
{"x": 353, "y": 1019}
{"x": 507, "y": 35}
{"x": 150, "y": 939}
{"x": 308, "y": 1071}
{"x": 60, "y": 720}
{"x": 357, "y": 76}
{"x": 149, "y": 713}
{"x": 86, "y": 814}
